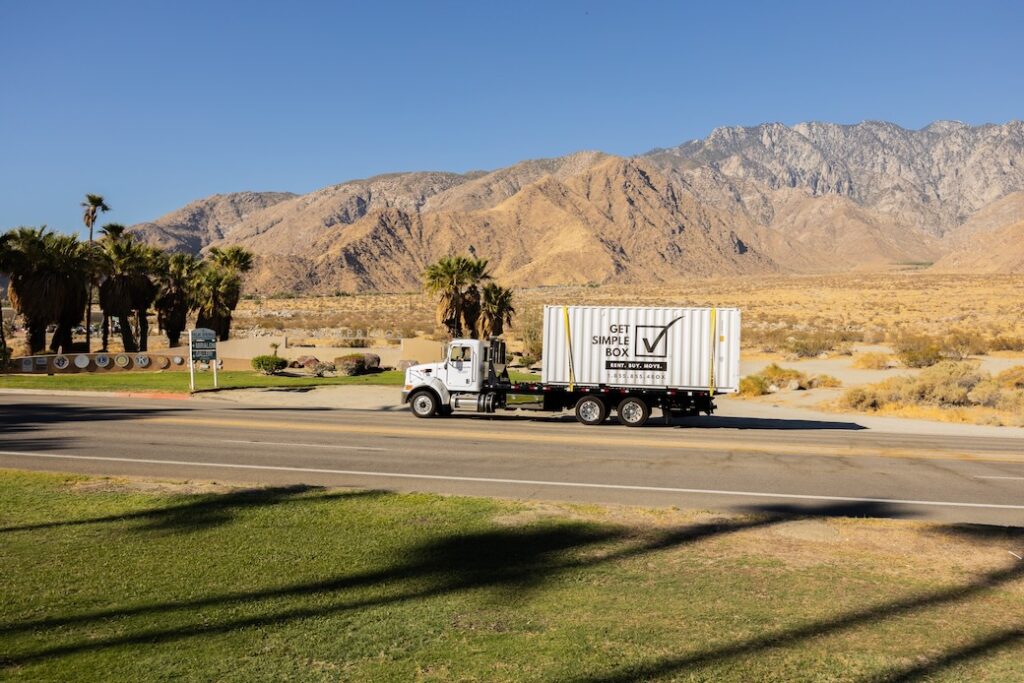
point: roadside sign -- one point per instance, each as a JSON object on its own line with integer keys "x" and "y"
{"x": 202, "y": 345}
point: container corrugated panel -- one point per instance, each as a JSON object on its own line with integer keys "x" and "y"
{"x": 678, "y": 348}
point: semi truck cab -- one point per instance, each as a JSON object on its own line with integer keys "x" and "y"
{"x": 467, "y": 379}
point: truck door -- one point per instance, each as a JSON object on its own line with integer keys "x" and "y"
{"x": 461, "y": 368}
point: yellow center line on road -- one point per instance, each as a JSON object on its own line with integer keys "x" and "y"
{"x": 576, "y": 440}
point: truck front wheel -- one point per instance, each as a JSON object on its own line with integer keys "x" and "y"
{"x": 591, "y": 410}
{"x": 633, "y": 412}
{"x": 424, "y": 404}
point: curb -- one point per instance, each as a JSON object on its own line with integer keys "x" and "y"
{"x": 155, "y": 395}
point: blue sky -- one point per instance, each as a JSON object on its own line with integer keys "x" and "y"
{"x": 153, "y": 104}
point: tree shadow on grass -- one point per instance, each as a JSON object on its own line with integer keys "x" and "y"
{"x": 961, "y": 655}
{"x": 759, "y": 646}
{"x": 507, "y": 563}
{"x": 204, "y": 511}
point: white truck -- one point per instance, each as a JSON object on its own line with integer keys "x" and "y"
{"x": 596, "y": 359}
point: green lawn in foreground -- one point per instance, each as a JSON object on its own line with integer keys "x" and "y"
{"x": 106, "y": 580}
{"x": 178, "y": 381}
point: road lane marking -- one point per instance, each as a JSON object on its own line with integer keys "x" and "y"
{"x": 577, "y": 440}
{"x": 983, "y": 477}
{"x": 305, "y": 445}
{"x": 519, "y": 482}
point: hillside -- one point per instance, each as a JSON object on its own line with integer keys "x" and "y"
{"x": 201, "y": 222}
{"x": 814, "y": 197}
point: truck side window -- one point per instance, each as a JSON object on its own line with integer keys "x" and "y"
{"x": 460, "y": 353}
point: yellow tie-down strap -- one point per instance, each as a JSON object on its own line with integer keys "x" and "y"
{"x": 568, "y": 348}
{"x": 714, "y": 350}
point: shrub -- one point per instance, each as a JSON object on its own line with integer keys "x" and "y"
{"x": 775, "y": 374}
{"x": 811, "y": 344}
{"x": 269, "y": 365}
{"x": 872, "y": 360}
{"x": 322, "y": 368}
{"x": 918, "y": 351}
{"x": 527, "y": 360}
{"x": 962, "y": 344}
{"x": 945, "y": 385}
{"x": 359, "y": 342}
{"x": 754, "y": 385}
{"x": 1011, "y": 378}
{"x": 824, "y": 382}
{"x": 1006, "y": 343}
{"x": 530, "y": 329}
{"x": 351, "y": 365}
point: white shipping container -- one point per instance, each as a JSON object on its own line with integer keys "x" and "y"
{"x": 677, "y": 348}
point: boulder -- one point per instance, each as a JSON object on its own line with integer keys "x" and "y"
{"x": 372, "y": 361}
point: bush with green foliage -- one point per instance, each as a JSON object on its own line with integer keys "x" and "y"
{"x": 269, "y": 365}
{"x": 918, "y": 350}
{"x": 754, "y": 385}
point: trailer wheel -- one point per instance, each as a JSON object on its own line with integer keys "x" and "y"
{"x": 633, "y": 412}
{"x": 424, "y": 404}
{"x": 590, "y": 410}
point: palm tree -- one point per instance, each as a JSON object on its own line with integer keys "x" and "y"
{"x": 496, "y": 310}
{"x": 49, "y": 277}
{"x": 445, "y": 279}
{"x": 210, "y": 289}
{"x": 455, "y": 280}
{"x": 126, "y": 287}
{"x": 92, "y": 207}
{"x": 174, "y": 300}
{"x": 6, "y": 262}
{"x": 234, "y": 262}
{"x": 476, "y": 273}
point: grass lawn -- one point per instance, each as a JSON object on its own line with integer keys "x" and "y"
{"x": 140, "y": 581}
{"x": 178, "y": 381}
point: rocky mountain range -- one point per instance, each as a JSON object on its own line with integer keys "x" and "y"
{"x": 814, "y": 197}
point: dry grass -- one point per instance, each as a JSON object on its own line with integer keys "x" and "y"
{"x": 789, "y": 315}
{"x": 873, "y": 360}
{"x": 776, "y": 378}
{"x": 949, "y": 391}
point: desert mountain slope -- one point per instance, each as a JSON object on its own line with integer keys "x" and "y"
{"x": 815, "y": 197}
{"x": 933, "y": 178}
{"x": 992, "y": 241}
{"x": 617, "y": 221}
{"x": 205, "y": 220}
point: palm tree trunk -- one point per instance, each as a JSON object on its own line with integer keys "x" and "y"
{"x": 106, "y": 332}
{"x": 143, "y": 330}
{"x": 35, "y": 335}
{"x": 224, "y": 327}
{"x": 127, "y": 339}
{"x": 88, "y": 309}
{"x": 61, "y": 342}
{"x": 3, "y": 338}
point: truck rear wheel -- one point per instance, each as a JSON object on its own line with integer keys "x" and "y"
{"x": 424, "y": 404}
{"x": 590, "y": 410}
{"x": 633, "y": 412}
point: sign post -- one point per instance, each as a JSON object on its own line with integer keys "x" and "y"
{"x": 202, "y": 346}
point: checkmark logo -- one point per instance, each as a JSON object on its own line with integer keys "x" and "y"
{"x": 652, "y": 340}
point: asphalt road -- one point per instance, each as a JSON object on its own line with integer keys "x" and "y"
{"x": 726, "y": 464}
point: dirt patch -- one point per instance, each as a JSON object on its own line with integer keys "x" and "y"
{"x": 164, "y": 488}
